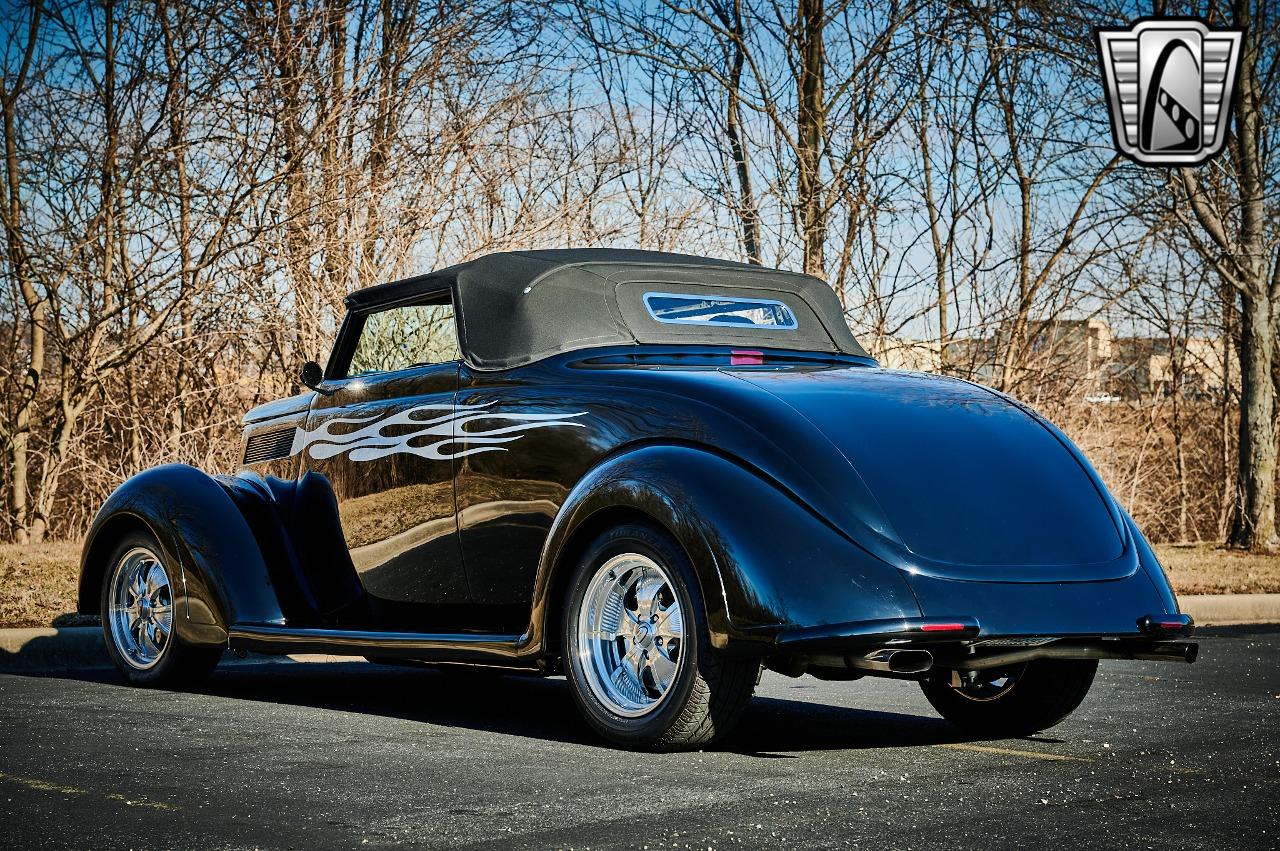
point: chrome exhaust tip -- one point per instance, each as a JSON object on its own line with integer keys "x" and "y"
{"x": 893, "y": 661}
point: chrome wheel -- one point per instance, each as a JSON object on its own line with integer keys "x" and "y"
{"x": 630, "y": 634}
{"x": 140, "y": 608}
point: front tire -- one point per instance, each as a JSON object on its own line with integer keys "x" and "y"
{"x": 138, "y": 618}
{"x": 1024, "y": 700}
{"x": 636, "y": 647}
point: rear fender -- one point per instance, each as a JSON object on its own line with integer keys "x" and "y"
{"x": 223, "y": 577}
{"x": 1151, "y": 566}
{"x": 764, "y": 561}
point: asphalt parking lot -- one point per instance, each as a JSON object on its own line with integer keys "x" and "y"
{"x": 356, "y": 755}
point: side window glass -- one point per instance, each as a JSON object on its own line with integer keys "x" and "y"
{"x": 404, "y": 337}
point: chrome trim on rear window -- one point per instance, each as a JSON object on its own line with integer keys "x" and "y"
{"x": 724, "y": 311}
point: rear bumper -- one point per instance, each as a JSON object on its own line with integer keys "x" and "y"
{"x": 982, "y": 658}
{"x": 964, "y": 629}
{"x": 916, "y": 646}
{"x": 880, "y": 633}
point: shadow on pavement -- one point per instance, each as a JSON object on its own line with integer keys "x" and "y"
{"x": 774, "y": 724}
{"x": 52, "y": 649}
{"x": 543, "y": 708}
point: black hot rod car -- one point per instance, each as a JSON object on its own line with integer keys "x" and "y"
{"x": 653, "y": 473}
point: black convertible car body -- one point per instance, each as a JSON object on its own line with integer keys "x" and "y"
{"x": 653, "y": 473}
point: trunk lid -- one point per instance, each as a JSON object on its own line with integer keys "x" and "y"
{"x": 972, "y": 485}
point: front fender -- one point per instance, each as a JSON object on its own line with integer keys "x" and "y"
{"x": 765, "y": 561}
{"x": 223, "y": 577}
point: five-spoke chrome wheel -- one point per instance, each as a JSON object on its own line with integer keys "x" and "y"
{"x": 140, "y": 608}
{"x": 630, "y": 633}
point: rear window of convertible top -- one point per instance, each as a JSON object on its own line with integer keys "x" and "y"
{"x": 691, "y": 309}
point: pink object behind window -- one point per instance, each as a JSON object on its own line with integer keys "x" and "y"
{"x": 746, "y": 357}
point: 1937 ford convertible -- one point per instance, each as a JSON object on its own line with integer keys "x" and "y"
{"x": 653, "y": 473}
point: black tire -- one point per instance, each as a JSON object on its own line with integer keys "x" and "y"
{"x": 1040, "y": 694}
{"x": 178, "y": 664}
{"x": 708, "y": 694}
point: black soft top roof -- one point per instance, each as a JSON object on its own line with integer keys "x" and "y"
{"x": 521, "y": 306}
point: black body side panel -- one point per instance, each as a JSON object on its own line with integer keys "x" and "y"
{"x": 296, "y": 524}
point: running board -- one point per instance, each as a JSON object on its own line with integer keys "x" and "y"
{"x": 503, "y": 650}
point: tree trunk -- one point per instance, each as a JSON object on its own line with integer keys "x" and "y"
{"x": 176, "y": 102}
{"x": 284, "y": 46}
{"x": 1255, "y": 521}
{"x": 748, "y": 215}
{"x": 1177, "y": 358}
{"x": 333, "y": 105}
{"x": 1006, "y": 86}
{"x": 19, "y": 490}
{"x": 1228, "y": 502}
{"x": 810, "y": 131}
{"x": 935, "y": 224}
{"x": 1255, "y": 526}
{"x": 35, "y": 304}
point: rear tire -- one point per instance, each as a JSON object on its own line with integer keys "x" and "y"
{"x": 1035, "y": 697}
{"x": 139, "y": 618}
{"x": 636, "y": 648}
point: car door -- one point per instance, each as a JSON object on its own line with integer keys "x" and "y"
{"x": 510, "y": 490}
{"x": 382, "y": 439}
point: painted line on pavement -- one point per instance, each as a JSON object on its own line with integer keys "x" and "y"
{"x": 46, "y": 786}
{"x": 1057, "y": 757}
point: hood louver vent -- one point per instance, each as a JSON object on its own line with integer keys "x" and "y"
{"x": 268, "y": 446}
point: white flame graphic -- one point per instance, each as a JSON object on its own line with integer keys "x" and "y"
{"x": 368, "y": 442}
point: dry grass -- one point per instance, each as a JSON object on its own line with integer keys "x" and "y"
{"x": 1210, "y": 569}
{"x": 38, "y": 584}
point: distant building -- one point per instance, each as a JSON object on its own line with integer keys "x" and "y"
{"x": 1083, "y": 352}
{"x": 1147, "y": 366}
{"x": 1078, "y": 350}
{"x": 908, "y": 354}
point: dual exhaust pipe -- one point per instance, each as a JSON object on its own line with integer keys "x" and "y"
{"x": 1163, "y": 651}
{"x": 916, "y": 661}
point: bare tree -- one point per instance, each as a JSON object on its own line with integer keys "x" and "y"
{"x": 1224, "y": 210}
{"x": 191, "y": 189}
{"x": 17, "y": 437}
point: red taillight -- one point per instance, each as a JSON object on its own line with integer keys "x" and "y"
{"x": 746, "y": 357}
{"x": 1162, "y": 626}
{"x": 942, "y": 627}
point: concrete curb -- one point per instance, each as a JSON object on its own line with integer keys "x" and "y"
{"x": 1231, "y": 609}
{"x": 81, "y": 647}
{"x": 53, "y": 649}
